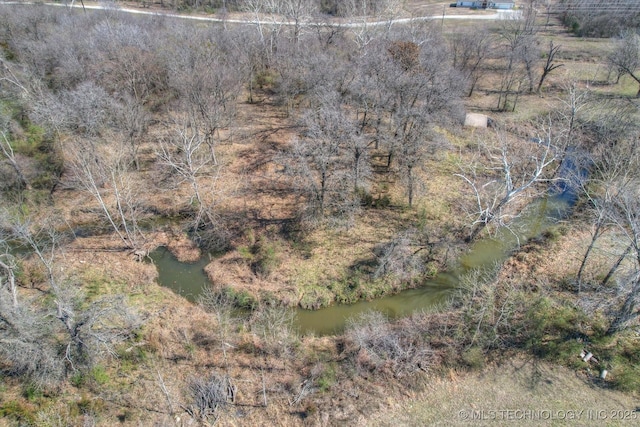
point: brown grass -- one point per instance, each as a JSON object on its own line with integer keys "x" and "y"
{"x": 520, "y": 384}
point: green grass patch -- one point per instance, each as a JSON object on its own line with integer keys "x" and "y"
{"x": 240, "y": 298}
{"x": 263, "y": 255}
{"x": 474, "y": 358}
{"x": 557, "y": 331}
{"x": 315, "y": 297}
{"x": 327, "y": 378}
{"x": 20, "y": 412}
{"x": 99, "y": 375}
{"x": 625, "y": 377}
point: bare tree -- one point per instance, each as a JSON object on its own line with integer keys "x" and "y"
{"x": 207, "y": 81}
{"x": 399, "y": 258}
{"x": 45, "y": 340}
{"x": 575, "y": 105}
{"x": 126, "y": 63}
{"x": 340, "y": 122}
{"x": 45, "y": 344}
{"x": 298, "y": 13}
{"x": 362, "y": 12}
{"x": 518, "y": 34}
{"x": 187, "y": 157}
{"x": 549, "y": 65}
{"x": 380, "y": 346}
{"x": 423, "y": 90}
{"x": 8, "y": 266}
{"x": 134, "y": 120}
{"x": 40, "y": 235}
{"x": 627, "y": 218}
{"x": 279, "y": 14}
{"x": 275, "y": 328}
{"x": 470, "y": 51}
{"x": 318, "y": 163}
{"x": 25, "y": 343}
{"x": 626, "y": 55}
{"x": 411, "y": 149}
{"x": 103, "y": 172}
{"x": 600, "y": 191}
{"x": 6, "y": 149}
{"x": 511, "y": 170}
{"x": 209, "y": 397}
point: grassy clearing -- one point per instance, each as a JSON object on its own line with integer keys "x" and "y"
{"x": 555, "y": 396}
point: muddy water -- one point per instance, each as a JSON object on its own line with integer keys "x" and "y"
{"x": 186, "y": 279}
{"x": 189, "y": 279}
{"x": 538, "y": 217}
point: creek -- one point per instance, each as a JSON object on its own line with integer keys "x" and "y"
{"x": 188, "y": 279}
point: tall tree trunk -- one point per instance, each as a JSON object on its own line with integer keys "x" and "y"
{"x": 615, "y": 266}
{"x": 596, "y": 234}
{"x": 627, "y": 312}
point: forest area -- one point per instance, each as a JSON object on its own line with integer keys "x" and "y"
{"x": 311, "y": 154}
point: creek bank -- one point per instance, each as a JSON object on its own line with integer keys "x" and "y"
{"x": 538, "y": 217}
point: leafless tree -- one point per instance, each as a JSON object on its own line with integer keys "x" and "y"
{"x": 209, "y": 397}
{"x": 42, "y": 236}
{"x": 207, "y": 82}
{"x": 613, "y": 191}
{"x": 380, "y": 346}
{"x": 627, "y": 218}
{"x": 86, "y": 110}
{"x": 6, "y": 150}
{"x": 223, "y": 308}
{"x": 575, "y": 105}
{"x": 423, "y": 90}
{"x": 298, "y": 13}
{"x": 598, "y": 18}
{"x": 600, "y": 190}
{"x": 280, "y": 15}
{"x": 25, "y": 344}
{"x": 44, "y": 340}
{"x": 8, "y": 268}
{"x": 127, "y": 63}
{"x": 470, "y": 51}
{"x": 320, "y": 174}
{"x": 46, "y": 343}
{"x": 362, "y": 12}
{"x": 134, "y": 121}
{"x": 102, "y": 171}
{"x": 275, "y": 328}
{"x": 509, "y": 171}
{"x": 626, "y": 55}
{"x": 188, "y": 158}
{"x": 399, "y": 258}
{"x": 518, "y": 33}
{"x": 549, "y": 65}
{"x": 321, "y": 163}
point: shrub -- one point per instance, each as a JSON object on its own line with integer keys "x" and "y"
{"x": 99, "y": 375}
{"x": 274, "y": 327}
{"x": 326, "y": 377}
{"x": 209, "y": 396}
{"x": 474, "y": 358}
{"x": 626, "y": 377}
{"x": 261, "y": 254}
{"x": 17, "y": 411}
{"x": 378, "y": 346}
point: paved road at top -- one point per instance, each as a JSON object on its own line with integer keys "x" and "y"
{"x": 501, "y": 14}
